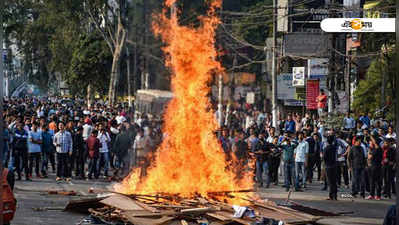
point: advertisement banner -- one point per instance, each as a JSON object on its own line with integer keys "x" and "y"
{"x": 306, "y": 44}
{"x": 285, "y": 90}
{"x": 312, "y": 91}
{"x": 317, "y": 68}
{"x": 298, "y": 76}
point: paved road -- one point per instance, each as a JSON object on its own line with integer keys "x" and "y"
{"x": 34, "y": 195}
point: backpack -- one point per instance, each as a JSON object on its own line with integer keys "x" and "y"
{"x": 9, "y": 201}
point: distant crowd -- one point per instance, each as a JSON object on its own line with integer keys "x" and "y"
{"x": 45, "y": 136}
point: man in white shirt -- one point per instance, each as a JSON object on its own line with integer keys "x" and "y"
{"x": 349, "y": 123}
{"x": 139, "y": 149}
{"x": 105, "y": 139}
{"x": 301, "y": 159}
{"x": 272, "y": 134}
{"x": 87, "y": 129}
{"x": 343, "y": 149}
{"x": 121, "y": 118}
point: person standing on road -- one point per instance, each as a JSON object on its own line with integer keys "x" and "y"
{"x": 47, "y": 150}
{"x": 330, "y": 159}
{"x": 121, "y": 148}
{"x": 93, "y": 147}
{"x": 375, "y": 169}
{"x": 20, "y": 148}
{"x": 288, "y": 159}
{"x": 342, "y": 151}
{"x": 63, "y": 143}
{"x": 105, "y": 139}
{"x": 262, "y": 153}
{"x": 317, "y": 152}
{"x": 388, "y": 162}
{"x": 357, "y": 163}
{"x": 301, "y": 161}
{"x": 240, "y": 149}
{"x": 311, "y": 155}
{"x": 79, "y": 148}
{"x": 34, "y": 149}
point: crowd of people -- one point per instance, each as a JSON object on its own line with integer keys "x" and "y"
{"x": 361, "y": 152}
{"x": 74, "y": 141}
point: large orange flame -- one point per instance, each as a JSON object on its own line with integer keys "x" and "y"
{"x": 190, "y": 160}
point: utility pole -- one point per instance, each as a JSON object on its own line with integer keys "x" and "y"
{"x": 274, "y": 66}
{"x": 396, "y": 103}
{"x": 384, "y": 76}
{"x": 348, "y": 73}
{"x": 1, "y": 115}
{"x": 231, "y": 94}
{"x": 331, "y": 67}
{"x": 129, "y": 86}
{"x": 146, "y": 76}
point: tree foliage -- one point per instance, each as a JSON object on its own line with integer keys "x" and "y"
{"x": 367, "y": 96}
{"x": 90, "y": 64}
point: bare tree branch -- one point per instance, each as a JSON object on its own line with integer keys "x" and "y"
{"x": 93, "y": 19}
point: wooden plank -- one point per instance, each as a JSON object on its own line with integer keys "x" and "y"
{"x": 246, "y": 221}
{"x": 218, "y": 217}
{"x": 196, "y": 210}
{"x": 149, "y": 208}
{"x": 174, "y": 213}
{"x": 146, "y": 221}
{"x": 83, "y": 205}
{"x": 122, "y": 202}
{"x": 272, "y": 214}
{"x": 287, "y": 211}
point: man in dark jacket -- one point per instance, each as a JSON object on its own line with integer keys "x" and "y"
{"x": 121, "y": 147}
{"x": 311, "y": 155}
{"x": 79, "y": 152}
{"x": 240, "y": 150}
{"x": 375, "y": 169}
{"x": 20, "y": 147}
{"x": 357, "y": 163}
{"x": 330, "y": 159}
{"x": 388, "y": 162}
{"x": 48, "y": 150}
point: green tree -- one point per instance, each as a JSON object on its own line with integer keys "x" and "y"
{"x": 367, "y": 96}
{"x": 90, "y": 64}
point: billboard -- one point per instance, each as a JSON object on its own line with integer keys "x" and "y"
{"x": 285, "y": 90}
{"x": 298, "y": 76}
{"x": 312, "y": 91}
{"x": 306, "y": 44}
{"x": 317, "y": 68}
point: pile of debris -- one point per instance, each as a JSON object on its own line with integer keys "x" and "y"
{"x": 115, "y": 208}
